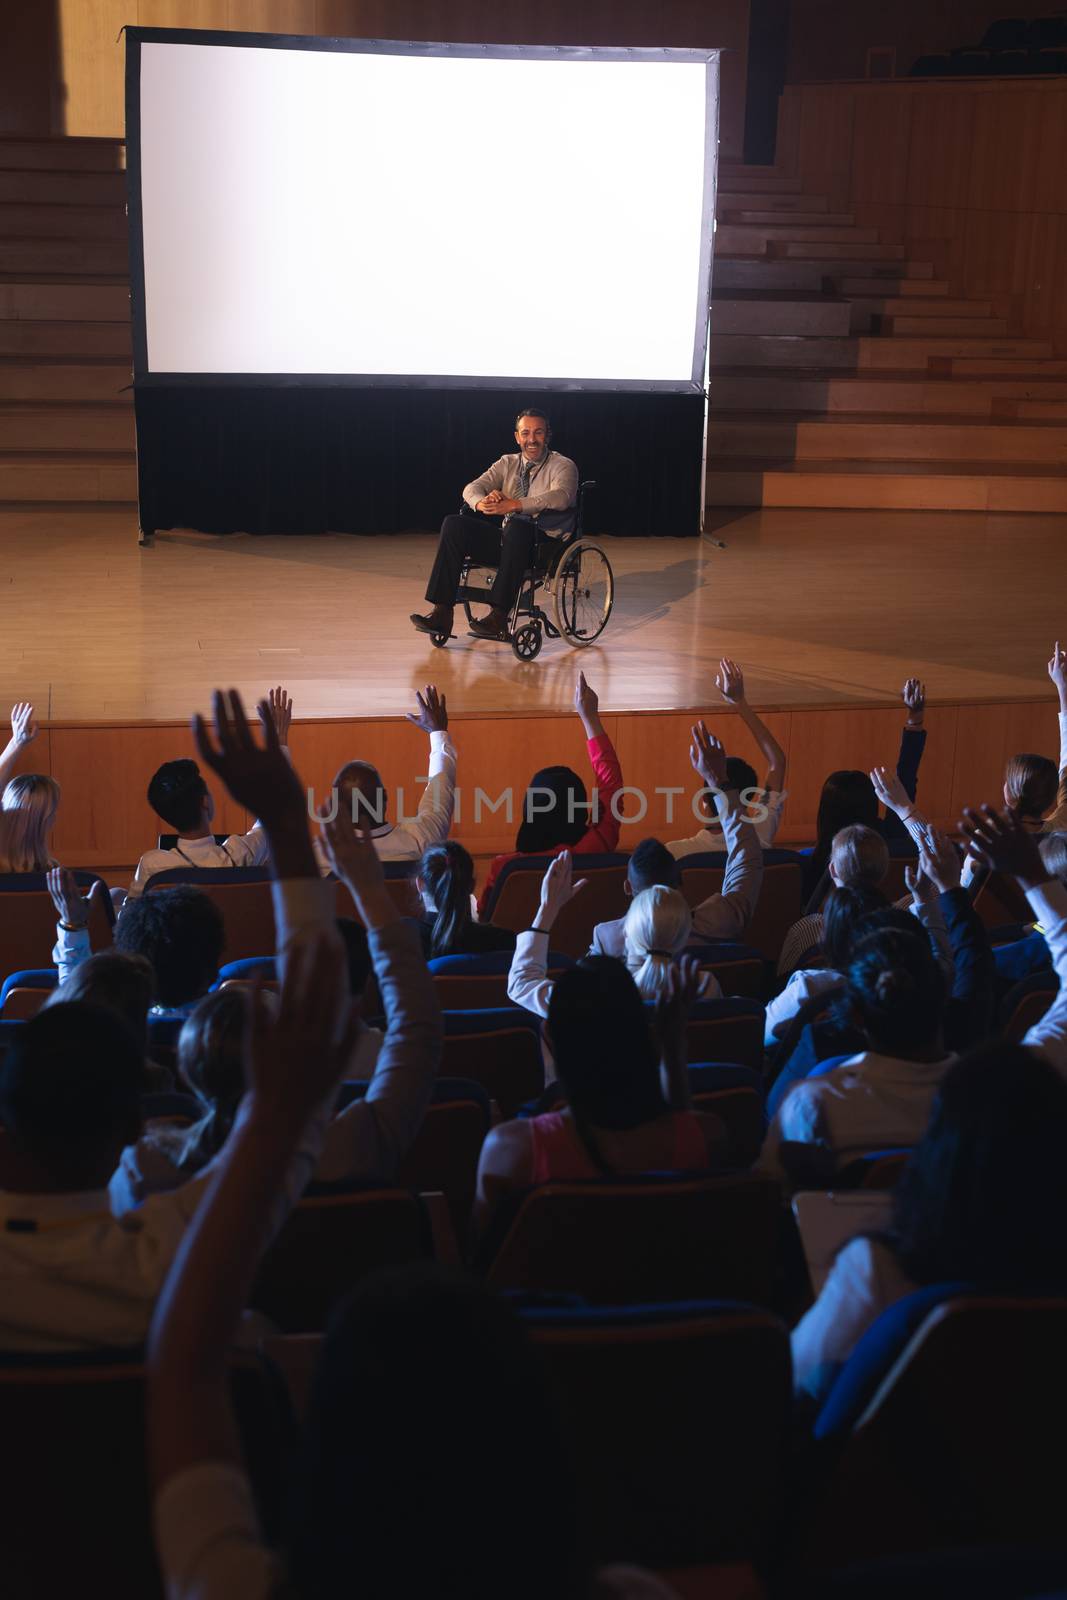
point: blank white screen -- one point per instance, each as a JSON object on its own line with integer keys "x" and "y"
{"x": 320, "y": 212}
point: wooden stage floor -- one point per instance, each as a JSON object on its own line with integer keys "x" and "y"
{"x": 822, "y": 608}
{"x": 827, "y": 611}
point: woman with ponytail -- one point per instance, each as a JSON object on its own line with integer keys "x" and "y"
{"x": 626, "y": 1087}
{"x": 445, "y": 880}
{"x": 657, "y": 929}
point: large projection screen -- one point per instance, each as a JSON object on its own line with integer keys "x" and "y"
{"x": 363, "y": 212}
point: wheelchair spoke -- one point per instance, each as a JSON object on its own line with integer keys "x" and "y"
{"x": 585, "y": 592}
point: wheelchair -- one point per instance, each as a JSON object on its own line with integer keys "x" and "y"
{"x": 571, "y": 570}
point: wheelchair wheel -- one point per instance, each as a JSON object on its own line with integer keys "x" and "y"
{"x": 585, "y": 593}
{"x": 440, "y": 639}
{"x": 527, "y": 641}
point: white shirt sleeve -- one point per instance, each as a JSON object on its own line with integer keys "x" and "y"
{"x": 208, "y": 1538}
{"x": 863, "y": 1281}
{"x": 528, "y": 985}
{"x": 1049, "y": 905}
{"x": 767, "y": 830}
{"x": 71, "y": 949}
{"x": 433, "y": 818}
{"x": 797, "y": 992}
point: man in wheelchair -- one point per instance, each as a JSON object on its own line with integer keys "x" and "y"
{"x": 520, "y": 497}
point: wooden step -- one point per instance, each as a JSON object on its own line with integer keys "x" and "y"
{"x": 901, "y": 485}
{"x": 77, "y": 302}
{"x": 49, "y": 426}
{"x": 754, "y": 313}
{"x": 893, "y": 273}
{"x": 63, "y": 188}
{"x": 755, "y": 183}
{"x": 72, "y": 475}
{"x": 64, "y": 339}
{"x": 834, "y": 251}
{"x": 801, "y": 219}
{"x": 107, "y": 380}
{"x": 63, "y": 154}
{"x": 74, "y": 257}
{"x": 896, "y": 439}
{"x": 741, "y": 272}
{"x": 914, "y": 352}
{"x": 919, "y": 305}
{"x": 62, "y": 222}
{"x": 874, "y": 288}
{"x": 779, "y": 350}
{"x": 895, "y": 327}
{"x": 844, "y": 394}
{"x": 733, "y": 239}
{"x": 781, "y": 204}
{"x": 1009, "y": 366}
{"x": 1037, "y": 410}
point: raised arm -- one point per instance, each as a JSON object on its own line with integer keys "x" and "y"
{"x": 603, "y": 834}
{"x": 528, "y": 983}
{"x": 730, "y": 682}
{"x": 726, "y": 915}
{"x": 969, "y": 1018}
{"x": 433, "y": 819}
{"x": 24, "y": 731}
{"x": 1057, "y": 671}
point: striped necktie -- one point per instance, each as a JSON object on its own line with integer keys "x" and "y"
{"x": 524, "y": 477}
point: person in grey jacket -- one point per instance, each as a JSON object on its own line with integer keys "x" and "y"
{"x": 518, "y": 497}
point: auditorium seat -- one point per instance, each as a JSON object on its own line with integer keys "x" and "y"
{"x": 1025, "y": 1004}
{"x": 738, "y": 969}
{"x": 24, "y": 993}
{"x": 28, "y": 918}
{"x": 476, "y": 983}
{"x": 679, "y": 1421}
{"x": 943, "y": 1426}
{"x": 726, "y": 1030}
{"x": 999, "y": 900}
{"x": 735, "y": 1095}
{"x": 500, "y": 1049}
{"x": 517, "y": 894}
{"x": 779, "y": 904}
{"x": 668, "y": 1237}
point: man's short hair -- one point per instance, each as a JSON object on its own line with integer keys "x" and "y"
{"x": 362, "y": 779}
{"x": 176, "y": 793}
{"x": 651, "y": 863}
{"x": 534, "y": 411}
{"x": 70, "y": 1085}
{"x": 740, "y": 775}
{"x": 181, "y": 932}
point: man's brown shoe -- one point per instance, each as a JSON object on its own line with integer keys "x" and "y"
{"x": 494, "y": 626}
{"x": 439, "y": 620}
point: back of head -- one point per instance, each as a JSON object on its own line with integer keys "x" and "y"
{"x": 70, "y": 1087}
{"x": 181, "y": 933}
{"x": 602, "y": 1045}
{"x": 118, "y": 982}
{"x": 361, "y": 793}
{"x": 1053, "y": 849}
{"x": 30, "y": 803}
{"x": 1030, "y": 785}
{"x": 431, "y": 1434}
{"x": 657, "y": 929}
{"x": 984, "y": 1197}
{"x": 176, "y": 793}
{"x": 847, "y": 797}
{"x": 446, "y": 872}
{"x": 896, "y": 991}
{"x": 845, "y": 918}
{"x": 211, "y": 1064}
{"x": 555, "y": 811}
{"x": 859, "y": 855}
{"x": 740, "y": 775}
{"x": 651, "y": 863}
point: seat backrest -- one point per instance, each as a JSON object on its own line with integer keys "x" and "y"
{"x": 28, "y": 918}
{"x": 779, "y": 904}
{"x": 243, "y": 897}
{"x": 998, "y": 899}
{"x": 400, "y": 882}
{"x": 329, "y": 1242}
{"x": 726, "y": 1030}
{"x": 953, "y": 1444}
{"x": 23, "y": 1002}
{"x": 738, "y": 969}
{"x": 640, "y": 1239}
{"x": 735, "y": 1095}
{"x": 674, "y": 1413}
{"x": 873, "y": 1169}
{"x": 517, "y": 895}
{"x": 500, "y": 1049}
{"x": 475, "y": 983}
{"x": 1024, "y": 1004}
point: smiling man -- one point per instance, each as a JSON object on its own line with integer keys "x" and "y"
{"x": 533, "y": 491}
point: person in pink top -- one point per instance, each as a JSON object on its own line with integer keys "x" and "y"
{"x": 627, "y": 1090}
{"x": 557, "y": 813}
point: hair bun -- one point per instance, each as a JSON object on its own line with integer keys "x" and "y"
{"x": 893, "y": 984}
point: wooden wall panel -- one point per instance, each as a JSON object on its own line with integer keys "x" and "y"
{"x": 104, "y": 769}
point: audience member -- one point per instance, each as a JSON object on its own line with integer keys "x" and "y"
{"x": 845, "y": 912}
{"x": 557, "y": 814}
{"x": 29, "y": 802}
{"x": 123, "y": 983}
{"x": 859, "y": 857}
{"x": 983, "y": 1202}
{"x": 761, "y": 805}
{"x": 445, "y": 881}
{"x": 359, "y": 792}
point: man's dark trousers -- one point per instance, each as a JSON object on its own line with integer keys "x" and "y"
{"x": 510, "y": 550}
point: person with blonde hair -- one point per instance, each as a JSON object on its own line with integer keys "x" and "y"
{"x": 29, "y": 802}
{"x": 657, "y": 929}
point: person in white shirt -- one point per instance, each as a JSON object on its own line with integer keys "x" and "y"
{"x": 360, "y": 794}
{"x": 982, "y": 1202}
{"x": 762, "y": 806}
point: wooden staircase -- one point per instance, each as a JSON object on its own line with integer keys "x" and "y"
{"x": 844, "y": 374}
{"x": 66, "y": 412}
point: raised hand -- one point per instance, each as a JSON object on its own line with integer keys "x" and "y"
{"x": 295, "y": 1059}
{"x": 730, "y": 682}
{"x": 280, "y": 705}
{"x": 557, "y": 887}
{"x": 914, "y": 696}
{"x": 918, "y": 885}
{"x": 351, "y": 854}
{"x": 432, "y": 715}
{"x": 708, "y": 756}
{"x": 890, "y": 791}
{"x": 1057, "y": 671}
{"x": 260, "y": 779}
{"x": 939, "y": 860}
{"x": 999, "y": 841}
{"x": 72, "y": 907}
{"x": 24, "y": 729}
{"x": 586, "y": 703}
{"x": 682, "y": 987}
